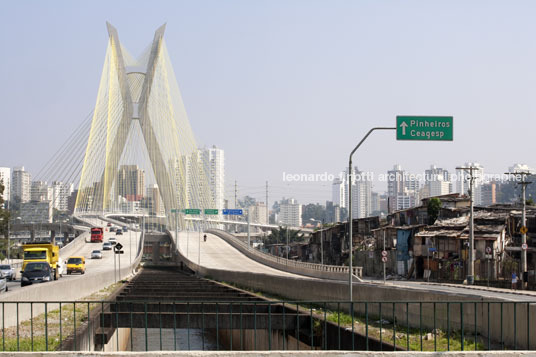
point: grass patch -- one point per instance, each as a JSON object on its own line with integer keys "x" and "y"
{"x": 33, "y": 334}
{"x": 385, "y": 331}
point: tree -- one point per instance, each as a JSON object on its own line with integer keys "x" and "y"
{"x": 433, "y": 208}
{"x": 280, "y": 236}
{"x": 313, "y": 211}
{"x": 246, "y": 202}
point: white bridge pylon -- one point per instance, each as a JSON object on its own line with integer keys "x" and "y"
{"x": 140, "y": 116}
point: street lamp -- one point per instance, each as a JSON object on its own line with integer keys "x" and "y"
{"x": 350, "y": 176}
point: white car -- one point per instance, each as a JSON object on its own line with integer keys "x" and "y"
{"x": 96, "y": 254}
{"x": 112, "y": 241}
{"x": 8, "y": 271}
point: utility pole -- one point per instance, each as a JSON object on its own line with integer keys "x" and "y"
{"x": 235, "y": 203}
{"x": 235, "y": 194}
{"x": 322, "y": 243}
{"x": 249, "y": 233}
{"x": 471, "y": 264}
{"x": 287, "y": 242}
{"x": 267, "y": 209}
{"x": 523, "y": 229}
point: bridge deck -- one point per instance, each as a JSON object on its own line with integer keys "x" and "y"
{"x": 218, "y": 254}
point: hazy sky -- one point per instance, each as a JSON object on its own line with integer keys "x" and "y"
{"x": 287, "y": 86}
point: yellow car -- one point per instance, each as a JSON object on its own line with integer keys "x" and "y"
{"x": 76, "y": 265}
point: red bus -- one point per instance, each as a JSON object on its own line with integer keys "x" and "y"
{"x": 97, "y": 233}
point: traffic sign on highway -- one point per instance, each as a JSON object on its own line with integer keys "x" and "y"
{"x": 118, "y": 246}
{"x": 211, "y": 211}
{"x": 384, "y": 259}
{"x": 488, "y": 250}
{"x": 524, "y": 246}
{"x": 119, "y": 252}
{"x": 233, "y": 212}
{"x": 384, "y": 253}
{"x": 192, "y": 211}
{"x": 523, "y": 230}
{"x": 424, "y": 128}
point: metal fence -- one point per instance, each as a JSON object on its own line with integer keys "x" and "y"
{"x": 267, "y": 325}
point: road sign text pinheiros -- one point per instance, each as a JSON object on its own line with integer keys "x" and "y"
{"x": 424, "y": 128}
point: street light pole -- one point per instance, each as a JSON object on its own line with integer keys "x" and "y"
{"x": 350, "y": 176}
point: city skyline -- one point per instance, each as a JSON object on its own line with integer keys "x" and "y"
{"x": 328, "y": 91}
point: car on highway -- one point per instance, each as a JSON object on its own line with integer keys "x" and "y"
{"x": 109, "y": 224}
{"x": 118, "y": 232}
{"x": 112, "y": 241}
{"x": 8, "y": 271}
{"x": 113, "y": 229}
{"x": 36, "y": 272}
{"x": 96, "y": 254}
{"x": 125, "y": 229}
{"x": 107, "y": 246}
{"x": 76, "y": 265}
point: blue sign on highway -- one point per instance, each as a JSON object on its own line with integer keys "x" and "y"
{"x": 234, "y": 212}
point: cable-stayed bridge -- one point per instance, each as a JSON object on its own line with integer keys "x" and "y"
{"x": 138, "y": 133}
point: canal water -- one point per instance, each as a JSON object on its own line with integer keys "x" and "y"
{"x": 192, "y": 339}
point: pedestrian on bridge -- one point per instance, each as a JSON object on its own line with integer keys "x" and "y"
{"x": 514, "y": 281}
{"x": 205, "y": 237}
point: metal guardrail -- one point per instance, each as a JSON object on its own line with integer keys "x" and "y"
{"x": 357, "y": 271}
{"x": 287, "y": 325}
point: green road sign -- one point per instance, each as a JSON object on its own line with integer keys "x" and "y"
{"x": 424, "y": 128}
{"x": 192, "y": 211}
{"x": 211, "y": 211}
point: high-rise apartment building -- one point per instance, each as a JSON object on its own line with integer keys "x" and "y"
{"x": 214, "y": 161}
{"x": 338, "y": 192}
{"x": 361, "y": 194}
{"x": 257, "y": 213}
{"x": 403, "y": 189}
{"x": 40, "y": 191}
{"x": 290, "y": 212}
{"x": 5, "y": 177}
{"x": 60, "y": 195}
{"x": 488, "y": 194}
{"x": 154, "y": 202}
{"x": 437, "y": 181}
{"x": 130, "y": 183}
{"x": 521, "y": 168}
{"x": 20, "y": 184}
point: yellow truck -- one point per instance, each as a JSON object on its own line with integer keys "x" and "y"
{"x": 43, "y": 252}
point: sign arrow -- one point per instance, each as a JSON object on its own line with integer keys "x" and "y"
{"x": 403, "y": 126}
